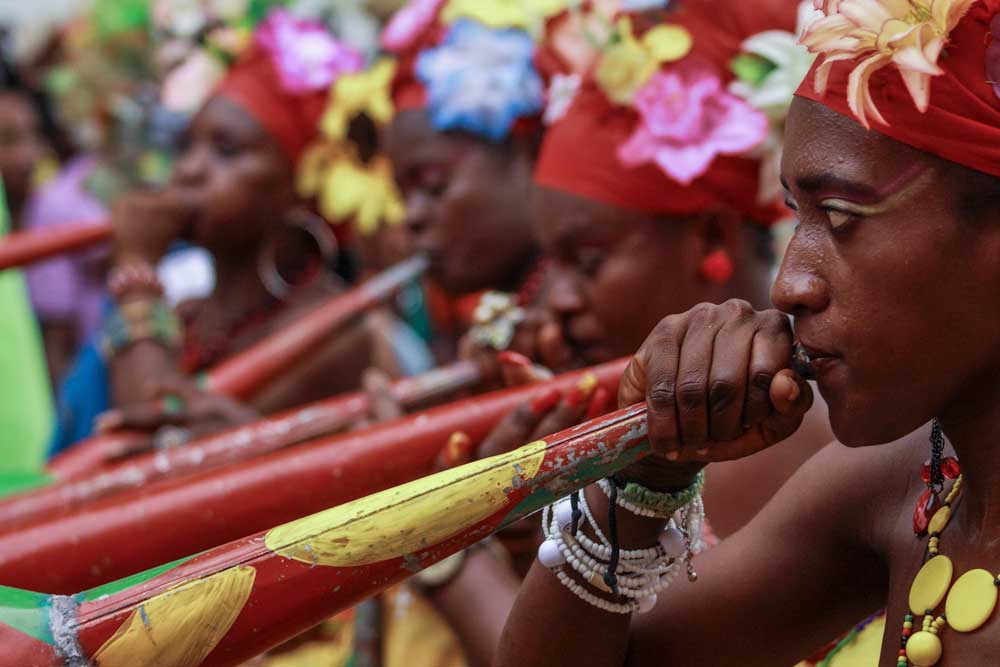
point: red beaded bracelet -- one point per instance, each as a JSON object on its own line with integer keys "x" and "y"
{"x": 132, "y": 277}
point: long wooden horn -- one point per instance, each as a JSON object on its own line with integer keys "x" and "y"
{"x": 33, "y": 245}
{"x": 229, "y": 604}
{"x": 131, "y": 531}
{"x": 128, "y": 468}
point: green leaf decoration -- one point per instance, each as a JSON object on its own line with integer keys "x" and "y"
{"x": 751, "y": 69}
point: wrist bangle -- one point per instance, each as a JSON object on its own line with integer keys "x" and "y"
{"x": 138, "y": 321}
{"x": 131, "y": 277}
{"x": 641, "y": 501}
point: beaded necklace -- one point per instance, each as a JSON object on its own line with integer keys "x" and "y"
{"x": 970, "y": 600}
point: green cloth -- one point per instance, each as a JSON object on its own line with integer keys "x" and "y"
{"x": 26, "y": 412}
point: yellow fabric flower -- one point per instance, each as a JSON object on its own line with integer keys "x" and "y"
{"x": 628, "y": 63}
{"x": 523, "y": 14}
{"x": 909, "y": 34}
{"x": 366, "y": 92}
{"x": 313, "y": 165}
{"x": 363, "y": 193}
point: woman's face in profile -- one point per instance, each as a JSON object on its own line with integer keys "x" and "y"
{"x": 893, "y": 291}
{"x": 235, "y": 173}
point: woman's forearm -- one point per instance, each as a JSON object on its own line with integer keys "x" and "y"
{"x": 549, "y": 625}
{"x": 137, "y": 371}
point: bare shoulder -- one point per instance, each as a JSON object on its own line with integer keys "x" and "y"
{"x": 861, "y": 490}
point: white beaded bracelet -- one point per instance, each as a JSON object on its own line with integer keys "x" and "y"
{"x": 605, "y": 486}
{"x": 632, "y": 583}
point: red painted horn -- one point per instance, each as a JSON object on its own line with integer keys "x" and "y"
{"x": 33, "y": 245}
{"x": 238, "y": 444}
{"x": 222, "y": 607}
{"x": 132, "y": 531}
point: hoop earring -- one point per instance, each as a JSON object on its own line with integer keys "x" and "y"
{"x": 319, "y": 232}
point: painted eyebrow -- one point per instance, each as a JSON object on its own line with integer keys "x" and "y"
{"x": 833, "y": 186}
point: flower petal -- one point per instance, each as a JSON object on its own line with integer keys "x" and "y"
{"x": 913, "y": 59}
{"x": 858, "y": 94}
{"x": 667, "y": 43}
{"x": 865, "y": 14}
{"x": 919, "y": 86}
{"x": 823, "y": 71}
{"x": 777, "y": 46}
{"x": 685, "y": 163}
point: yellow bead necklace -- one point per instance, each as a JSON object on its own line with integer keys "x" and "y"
{"x": 970, "y": 600}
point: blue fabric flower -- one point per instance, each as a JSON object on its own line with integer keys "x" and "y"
{"x": 481, "y": 80}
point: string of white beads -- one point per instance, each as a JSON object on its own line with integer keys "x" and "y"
{"x": 641, "y": 573}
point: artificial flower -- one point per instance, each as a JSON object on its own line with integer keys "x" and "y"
{"x": 768, "y": 72}
{"x": 306, "y": 55}
{"x": 627, "y": 63}
{"x": 182, "y": 18}
{"x": 993, "y": 56}
{"x": 364, "y": 194}
{"x": 687, "y": 118}
{"x": 409, "y": 23}
{"x": 347, "y": 189}
{"x": 772, "y": 65}
{"x": 562, "y": 92}
{"x": 496, "y": 319}
{"x": 481, "y": 80}
{"x": 229, "y": 41}
{"x": 523, "y": 14}
{"x": 909, "y": 34}
{"x": 314, "y": 163}
{"x": 188, "y": 85}
{"x": 366, "y": 93}
{"x": 577, "y": 37}
{"x": 228, "y": 10}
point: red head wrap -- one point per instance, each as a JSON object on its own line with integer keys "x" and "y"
{"x": 292, "y": 119}
{"x": 962, "y": 121}
{"x": 580, "y": 152}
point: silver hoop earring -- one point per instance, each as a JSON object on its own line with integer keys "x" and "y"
{"x": 319, "y": 232}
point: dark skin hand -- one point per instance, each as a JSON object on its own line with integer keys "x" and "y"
{"x": 600, "y": 258}
{"x": 467, "y": 202}
{"x": 869, "y": 260}
{"x": 179, "y": 402}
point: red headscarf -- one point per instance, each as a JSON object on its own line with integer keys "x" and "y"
{"x": 255, "y": 84}
{"x": 580, "y": 152}
{"x": 962, "y": 122}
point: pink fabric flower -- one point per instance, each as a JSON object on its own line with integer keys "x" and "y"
{"x": 409, "y": 23}
{"x": 305, "y": 53}
{"x": 687, "y": 118}
{"x": 993, "y": 56}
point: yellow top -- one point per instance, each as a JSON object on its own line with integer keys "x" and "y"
{"x": 414, "y": 634}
